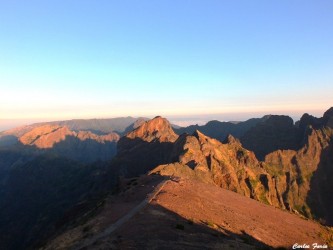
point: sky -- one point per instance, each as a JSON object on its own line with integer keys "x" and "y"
{"x": 187, "y": 60}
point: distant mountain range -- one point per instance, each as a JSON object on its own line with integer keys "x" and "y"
{"x": 63, "y": 169}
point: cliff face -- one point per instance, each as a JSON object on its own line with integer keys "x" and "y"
{"x": 305, "y": 176}
{"x": 297, "y": 172}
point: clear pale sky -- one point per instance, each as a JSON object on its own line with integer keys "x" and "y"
{"x": 93, "y": 59}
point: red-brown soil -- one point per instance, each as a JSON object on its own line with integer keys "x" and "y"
{"x": 187, "y": 214}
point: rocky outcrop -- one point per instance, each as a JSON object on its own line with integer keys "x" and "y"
{"x": 227, "y": 165}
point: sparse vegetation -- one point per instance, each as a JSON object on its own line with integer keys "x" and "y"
{"x": 327, "y": 236}
{"x": 210, "y": 224}
{"x": 304, "y": 210}
{"x": 274, "y": 170}
{"x": 254, "y": 183}
{"x": 308, "y": 177}
{"x": 263, "y": 198}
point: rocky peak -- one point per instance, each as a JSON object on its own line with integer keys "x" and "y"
{"x": 200, "y": 136}
{"x": 309, "y": 120}
{"x": 155, "y": 129}
{"x": 317, "y": 123}
{"x": 329, "y": 113}
{"x": 231, "y": 140}
{"x": 328, "y": 118}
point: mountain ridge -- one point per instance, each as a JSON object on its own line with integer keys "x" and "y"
{"x": 297, "y": 180}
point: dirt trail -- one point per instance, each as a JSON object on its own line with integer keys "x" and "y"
{"x": 125, "y": 218}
